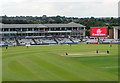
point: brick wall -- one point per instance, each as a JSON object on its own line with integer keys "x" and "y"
{"x": 111, "y": 34}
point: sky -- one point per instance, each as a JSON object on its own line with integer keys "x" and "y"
{"x": 68, "y": 8}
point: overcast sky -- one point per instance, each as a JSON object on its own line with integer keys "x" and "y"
{"x": 69, "y": 8}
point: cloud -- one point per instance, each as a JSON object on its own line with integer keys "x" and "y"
{"x": 77, "y": 8}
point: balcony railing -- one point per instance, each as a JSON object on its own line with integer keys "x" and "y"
{"x": 65, "y": 31}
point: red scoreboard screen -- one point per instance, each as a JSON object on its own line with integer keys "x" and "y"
{"x": 98, "y": 31}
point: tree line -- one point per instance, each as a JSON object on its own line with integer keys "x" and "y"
{"x": 88, "y": 21}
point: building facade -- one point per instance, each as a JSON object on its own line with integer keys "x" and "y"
{"x": 42, "y": 30}
{"x": 116, "y": 32}
{"x": 111, "y": 34}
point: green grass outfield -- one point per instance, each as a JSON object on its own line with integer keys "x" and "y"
{"x": 49, "y": 63}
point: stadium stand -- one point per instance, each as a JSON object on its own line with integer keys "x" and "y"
{"x": 22, "y": 34}
{"x": 40, "y": 41}
{"x": 47, "y": 34}
{"x": 25, "y": 41}
{"x": 92, "y": 41}
{"x": 64, "y": 40}
{"x": 77, "y": 40}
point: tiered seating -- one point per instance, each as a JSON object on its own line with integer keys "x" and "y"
{"x": 64, "y": 40}
{"x": 102, "y": 41}
{"x": 49, "y": 41}
{"x": 26, "y": 41}
{"x": 91, "y": 40}
{"x": 38, "y": 41}
{"x": 110, "y": 41}
{"x": 2, "y": 42}
{"x": 10, "y": 42}
{"x": 41, "y": 41}
{"x": 76, "y": 40}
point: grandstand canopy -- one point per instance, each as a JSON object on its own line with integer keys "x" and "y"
{"x": 22, "y": 25}
{"x": 72, "y": 24}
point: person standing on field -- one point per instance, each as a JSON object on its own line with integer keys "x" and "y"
{"x": 6, "y": 47}
{"x": 66, "y": 53}
{"x": 97, "y": 51}
{"x": 107, "y": 51}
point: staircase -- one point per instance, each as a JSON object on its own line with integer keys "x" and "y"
{"x": 18, "y": 44}
{"x": 56, "y": 41}
{"x": 34, "y": 41}
{"x": 71, "y": 40}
